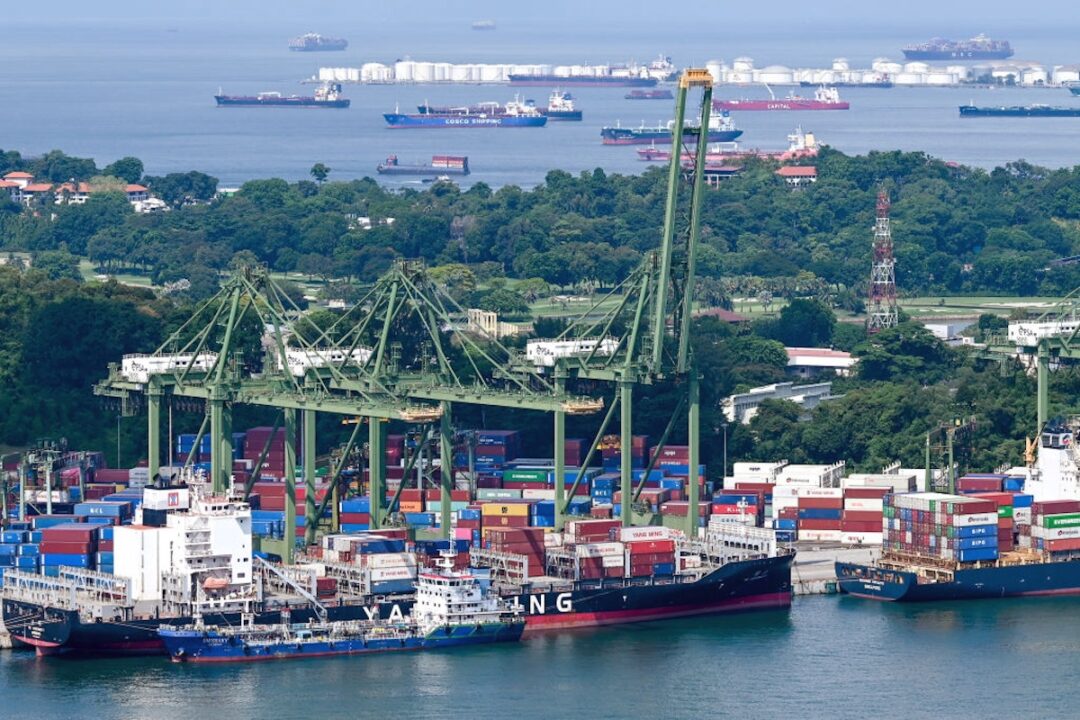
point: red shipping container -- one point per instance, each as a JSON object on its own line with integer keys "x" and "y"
{"x": 105, "y": 546}
{"x": 821, "y": 503}
{"x": 975, "y": 507}
{"x": 866, "y": 493}
{"x": 1055, "y": 507}
{"x": 59, "y": 547}
{"x": 1005, "y": 523}
{"x": 70, "y": 534}
{"x": 601, "y": 511}
{"x": 859, "y": 526}
{"x": 272, "y": 503}
{"x": 1060, "y": 545}
{"x": 978, "y": 484}
{"x": 789, "y": 513}
{"x": 759, "y": 488}
{"x": 650, "y": 546}
{"x": 354, "y": 518}
{"x": 732, "y": 509}
{"x": 1001, "y": 498}
{"x": 506, "y": 521}
{"x": 815, "y": 524}
{"x": 863, "y": 516}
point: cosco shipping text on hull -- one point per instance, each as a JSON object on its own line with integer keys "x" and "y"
{"x": 402, "y": 121}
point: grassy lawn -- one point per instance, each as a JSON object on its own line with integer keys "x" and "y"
{"x": 89, "y": 273}
{"x": 974, "y": 305}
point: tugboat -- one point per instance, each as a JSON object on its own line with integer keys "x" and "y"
{"x": 326, "y": 96}
{"x": 452, "y": 609}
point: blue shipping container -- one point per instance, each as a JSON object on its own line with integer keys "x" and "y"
{"x": 976, "y": 531}
{"x": 663, "y": 569}
{"x": 820, "y": 514}
{"x": 79, "y": 561}
{"x": 977, "y": 555}
{"x": 29, "y": 550}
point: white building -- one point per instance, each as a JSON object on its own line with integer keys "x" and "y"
{"x": 741, "y": 408}
{"x": 811, "y": 362}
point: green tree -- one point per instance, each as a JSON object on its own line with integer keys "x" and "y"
{"x": 320, "y": 172}
{"x": 58, "y": 265}
{"x": 129, "y": 169}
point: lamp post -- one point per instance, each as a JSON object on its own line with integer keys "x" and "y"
{"x": 117, "y": 441}
{"x": 724, "y": 426}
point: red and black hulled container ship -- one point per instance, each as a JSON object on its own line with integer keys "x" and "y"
{"x": 745, "y": 580}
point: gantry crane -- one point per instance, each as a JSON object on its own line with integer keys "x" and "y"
{"x": 655, "y": 305}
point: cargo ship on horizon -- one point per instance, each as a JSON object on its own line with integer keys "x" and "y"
{"x": 314, "y": 42}
{"x": 1020, "y": 111}
{"x": 825, "y": 98}
{"x": 662, "y": 94}
{"x": 560, "y": 107}
{"x": 326, "y": 96}
{"x": 439, "y": 165}
{"x": 979, "y": 47}
{"x": 721, "y": 129}
{"x": 512, "y": 114}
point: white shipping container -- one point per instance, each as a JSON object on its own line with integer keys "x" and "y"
{"x": 384, "y": 561}
{"x": 976, "y": 519}
{"x": 820, "y": 535}
{"x": 820, "y": 492}
{"x": 863, "y": 538}
{"x": 629, "y": 534}
{"x": 1022, "y": 516}
{"x": 537, "y": 494}
{"x": 733, "y": 519}
{"x": 864, "y": 504}
{"x": 596, "y": 550}
{"x": 691, "y": 561}
{"x": 384, "y": 574}
{"x": 1062, "y": 533}
{"x": 553, "y": 539}
{"x": 174, "y": 499}
{"x": 610, "y": 561}
{"x": 139, "y": 477}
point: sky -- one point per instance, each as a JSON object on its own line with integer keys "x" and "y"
{"x": 986, "y": 15}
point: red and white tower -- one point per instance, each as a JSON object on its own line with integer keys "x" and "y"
{"x": 882, "y": 309}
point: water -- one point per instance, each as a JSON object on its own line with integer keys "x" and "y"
{"x": 106, "y": 89}
{"x": 836, "y": 657}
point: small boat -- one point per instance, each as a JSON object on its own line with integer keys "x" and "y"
{"x": 561, "y": 107}
{"x": 649, "y": 95}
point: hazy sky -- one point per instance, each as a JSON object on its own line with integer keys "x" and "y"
{"x": 998, "y": 15}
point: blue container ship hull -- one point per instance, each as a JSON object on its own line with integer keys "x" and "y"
{"x": 628, "y": 136}
{"x": 403, "y": 121}
{"x": 878, "y": 583}
{"x": 288, "y": 102}
{"x": 747, "y": 585}
{"x": 211, "y": 647}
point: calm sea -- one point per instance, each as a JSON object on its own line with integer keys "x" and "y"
{"x": 109, "y": 89}
{"x": 830, "y": 657}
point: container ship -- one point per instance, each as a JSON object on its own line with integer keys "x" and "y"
{"x": 662, "y": 94}
{"x": 825, "y": 98}
{"x": 985, "y": 543}
{"x": 314, "y": 42}
{"x": 979, "y": 47}
{"x": 439, "y": 165}
{"x": 1019, "y": 111}
{"x": 326, "y": 96}
{"x": 452, "y": 609}
{"x": 721, "y": 129}
{"x": 513, "y": 114}
{"x": 1075, "y": 90}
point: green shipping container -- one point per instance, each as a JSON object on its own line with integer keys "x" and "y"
{"x": 1061, "y": 521}
{"x": 526, "y": 476}
{"x": 1005, "y": 511}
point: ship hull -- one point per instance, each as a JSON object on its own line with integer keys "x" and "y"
{"x": 192, "y": 646}
{"x": 620, "y": 136}
{"x": 868, "y": 581}
{"x": 1033, "y": 111}
{"x": 765, "y": 105}
{"x": 957, "y": 54}
{"x": 290, "y": 102}
{"x": 1075, "y": 90}
{"x": 425, "y": 170}
{"x": 580, "y": 81}
{"x": 562, "y": 115}
{"x": 742, "y": 586}
{"x": 398, "y": 121}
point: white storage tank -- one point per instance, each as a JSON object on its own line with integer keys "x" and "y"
{"x": 775, "y": 75}
{"x": 403, "y": 70}
{"x": 442, "y": 71}
{"x": 917, "y": 67}
{"x": 460, "y": 74}
{"x": 1066, "y": 74}
{"x": 1035, "y": 75}
{"x": 743, "y": 64}
{"x": 326, "y": 74}
{"x": 424, "y": 72}
{"x": 962, "y": 72}
{"x": 741, "y": 77}
{"x": 841, "y": 65}
{"x": 909, "y": 78}
{"x": 941, "y": 78}
{"x": 491, "y": 73}
{"x": 716, "y": 69}
{"x": 375, "y": 72}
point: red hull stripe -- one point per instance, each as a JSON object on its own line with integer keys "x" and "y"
{"x": 556, "y": 621}
{"x": 36, "y": 642}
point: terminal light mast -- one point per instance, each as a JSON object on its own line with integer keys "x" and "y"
{"x": 883, "y": 313}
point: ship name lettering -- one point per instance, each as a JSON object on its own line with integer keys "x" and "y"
{"x": 563, "y": 602}
{"x": 395, "y": 613}
{"x": 537, "y": 604}
{"x": 370, "y": 612}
